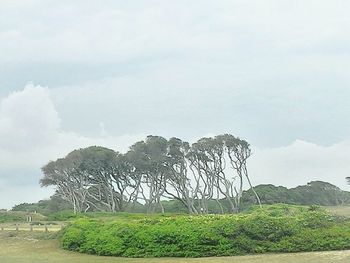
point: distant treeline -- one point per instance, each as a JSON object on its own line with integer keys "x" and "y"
{"x": 314, "y": 193}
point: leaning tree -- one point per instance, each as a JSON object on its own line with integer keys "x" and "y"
{"x": 70, "y": 183}
{"x": 149, "y": 161}
{"x": 178, "y": 181}
{"x": 90, "y": 179}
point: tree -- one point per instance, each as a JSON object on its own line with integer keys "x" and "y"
{"x": 178, "y": 182}
{"x": 214, "y": 178}
{"x": 238, "y": 152}
{"x": 90, "y": 179}
{"x": 149, "y": 161}
{"x": 203, "y": 178}
{"x": 71, "y": 184}
{"x": 107, "y": 183}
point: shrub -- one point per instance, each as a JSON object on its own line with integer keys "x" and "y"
{"x": 212, "y": 235}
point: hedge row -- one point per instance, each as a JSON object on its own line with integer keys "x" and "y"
{"x": 202, "y": 236}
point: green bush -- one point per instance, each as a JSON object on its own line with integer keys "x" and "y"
{"x": 212, "y": 235}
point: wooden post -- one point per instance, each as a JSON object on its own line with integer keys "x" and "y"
{"x": 46, "y": 229}
{"x": 2, "y": 228}
{"x": 17, "y": 227}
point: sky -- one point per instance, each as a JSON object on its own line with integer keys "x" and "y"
{"x": 81, "y": 73}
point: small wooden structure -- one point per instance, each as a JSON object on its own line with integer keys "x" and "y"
{"x": 29, "y": 217}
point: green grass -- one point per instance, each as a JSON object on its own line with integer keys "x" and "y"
{"x": 125, "y": 216}
{"x": 38, "y": 248}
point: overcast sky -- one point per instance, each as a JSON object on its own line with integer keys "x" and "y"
{"x": 80, "y": 73}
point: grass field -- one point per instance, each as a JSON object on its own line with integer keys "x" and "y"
{"x": 24, "y": 247}
{"x": 339, "y": 210}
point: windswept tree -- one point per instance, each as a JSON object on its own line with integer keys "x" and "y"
{"x": 89, "y": 178}
{"x": 207, "y": 157}
{"x": 107, "y": 183}
{"x": 149, "y": 160}
{"x": 178, "y": 181}
{"x": 70, "y": 183}
{"x": 219, "y": 168}
{"x": 238, "y": 152}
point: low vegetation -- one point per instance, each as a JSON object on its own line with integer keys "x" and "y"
{"x": 278, "y": 228}
{"x": 24, "y": 247}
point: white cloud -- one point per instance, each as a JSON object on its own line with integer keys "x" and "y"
{"x": 28, "y": 120}
{"x": 220, "y": 61}
{"x": 30, "y": 133}
{"x": 116, "y": 30}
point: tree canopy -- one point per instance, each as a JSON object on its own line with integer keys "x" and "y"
{"x": 98, "y": 178}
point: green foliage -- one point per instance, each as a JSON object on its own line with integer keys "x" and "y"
{"x": 271, "y": 229}
{"x": 107, "y": 216}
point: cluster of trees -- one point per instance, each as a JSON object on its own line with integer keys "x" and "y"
{"x": 100, "y": 179}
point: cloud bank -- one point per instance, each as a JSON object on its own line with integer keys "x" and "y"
{"x": 274, "y": 72}
{"x": 31, "y": 136}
